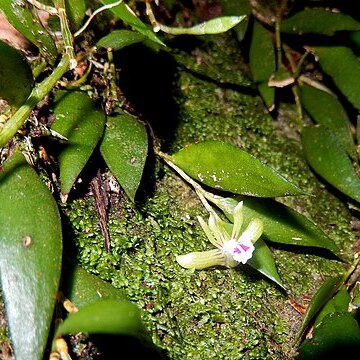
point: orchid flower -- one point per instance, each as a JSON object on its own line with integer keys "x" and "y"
{"x": 232, "y": 246}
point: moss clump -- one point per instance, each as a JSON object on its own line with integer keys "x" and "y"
{"x": 217, "y": 313}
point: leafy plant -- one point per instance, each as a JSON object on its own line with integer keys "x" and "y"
{"x": 84, "y": 120}
{"x": 312, "y": 52}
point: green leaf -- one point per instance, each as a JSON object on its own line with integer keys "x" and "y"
{"x": 30, "y": 261}
{"x": 286, "y": 226}
{"x": 262, "y": 62}
{"x": 20, "y": 16}
{"x": 124, "y": 13}
{"x": 124, "y": 148}
{"x": 106, "y": 316}
{"x": 214, "y": 26}
{"x": 16, "y": 74}
{"x": 327, "y": 110}
{"x": 75, "y": 10}
{"x": 119, "y": 39}
{"x": 344, "y": 67}
{"x": 82, "y": 123}
{"x": 319, "y": 21}
{"x": 328, "y": 158}
{"x": 230, "y": 7}
{"x": 338, "y": 334}
{"x": 226, "y": 167}
{"x": 83, "y": 288}
{"x": 263, "y": 261}
{"x": 281, "y": 223}
{"x": 339, "y": 303}
{"x": 321, "y": 297}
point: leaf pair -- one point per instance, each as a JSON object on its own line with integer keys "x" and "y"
{"x": 329, "y": 147}
{"x": 123, "y": 145}
{"x": 336, "y": 328}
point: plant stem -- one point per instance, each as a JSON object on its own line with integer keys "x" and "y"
{"x": 278, "y": 44}
{"x": 36, "y": 95}
{"x": 66, "y": 33}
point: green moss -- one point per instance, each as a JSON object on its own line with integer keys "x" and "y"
{"x": 217, "y": 313}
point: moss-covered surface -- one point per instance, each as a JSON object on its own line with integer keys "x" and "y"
{"x": 214, "y": 313}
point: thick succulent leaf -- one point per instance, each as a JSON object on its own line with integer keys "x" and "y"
{"x": 281, "y": 223}
{"x": 319, "y": 21}
{"x": 344, "y": 67}
{"x": 262, "y": 62}
{"x": 338, "y": 334}
{"x": 226, "y": 167}
{"x": 105, "y": 316}
{"x": 124, "y": 148}
{"x": 31, "y": 251}
{"x": 21, "y": 18}
{"x": 326, "y": 110}
{"x": 75, "y": 10}
{"x": 328, "y": 158}
{"x": 124, "y": 13}
{"x": 214, "y": 26}
{"x": 230, "y": 7}
{"x": 119, "y": 39}
{"x": 83, "y": 288}
{"x": 82, "y": 123}
{"x": 16, "y": 74}
{"x": 339, "y": 303}
{"x": 263, "y": 261}
{"x": 321, "y": 297}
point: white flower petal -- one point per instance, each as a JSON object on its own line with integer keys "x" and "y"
{"x": 238, "y": 220}
{"x": 252, "y": 232}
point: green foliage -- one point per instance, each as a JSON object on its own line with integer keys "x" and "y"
{"x": 329, "y": 159}
{"x": 21, "y": 17}
{"x": 16, "y": 74}
{"x": 273, "y": 63}
{"x": 228, "y": 168}
{"x": 79, "y": 121}
{"x": 31, "y": 251}
{"x": 30, "y": 233}
{"x": 76, "y": 11}
{"x": 263, "y": 261}
{"x": 326, "y": 110}
{"x": 262, "y": 62}
{"x": 124, "y": 148}
{"x": 124, "y": 13}
{"x": 119, "y": 39}
{"x": 213, "y": 26}
{"x": 105, "y": 316}
{"x": 345, "y": 76}
{"x": 319, "y": 21}
{"x": 83, "y": 288}
{"x": 339, "y": 333}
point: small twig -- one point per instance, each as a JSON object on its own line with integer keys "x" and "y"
{"x": 49, "y": 9}
{"x": 97, "y": 11}
{"x": 101, "y": 203}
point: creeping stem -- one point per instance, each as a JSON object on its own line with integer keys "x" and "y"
{"x": 37, "y": 94}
